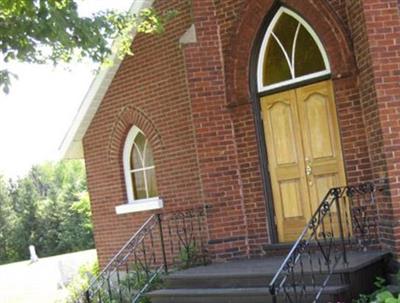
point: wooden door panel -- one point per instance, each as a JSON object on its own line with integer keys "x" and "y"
{"x": 285, "y": 154}
{"x": 318, "y": 126}
{"x": 322, "y": 146}
{"x": 280, "y": 115}
{"x": 288, "y": 172}
{"x": 321, "y": 137}
{"x": 292, "y": 200}
{"x": 301, "y": 131}
{"x": 323, "y": 183}
{"x": 294, "y": 212}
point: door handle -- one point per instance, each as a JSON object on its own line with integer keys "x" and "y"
{"x": 308, "y": 167}
{"x": 309, "y": 171}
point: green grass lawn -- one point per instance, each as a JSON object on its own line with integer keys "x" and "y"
{"x": 40, "y": 282}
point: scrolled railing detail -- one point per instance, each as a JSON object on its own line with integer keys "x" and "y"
{"x": 163, "y": 243}
{"x": 345, "y": 220}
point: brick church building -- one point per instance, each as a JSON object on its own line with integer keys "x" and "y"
{"x": 252, "y": 107}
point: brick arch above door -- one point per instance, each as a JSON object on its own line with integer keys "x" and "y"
{"x": 250, "y": 28}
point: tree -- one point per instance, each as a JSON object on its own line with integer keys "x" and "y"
{"x": 64, "y": 212}
{"x": 6, "y": 222}
{"x": 25, "y": 197}
{"x": 52, "y": 31}
{"x": 48, "y": 208}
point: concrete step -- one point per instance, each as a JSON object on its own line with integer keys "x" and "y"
{"x": 247, "y": 281}
{"x": 240, "y": 295}
{"x": 176, "y": 281}
{"x": 259, "y": 273}
{"x": 393, "y": 279}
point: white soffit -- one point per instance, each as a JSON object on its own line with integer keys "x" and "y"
{"x": 71, "y": 146}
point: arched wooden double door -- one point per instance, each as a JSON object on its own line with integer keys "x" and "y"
{"x": 304, "y": 153}
{"x": 300, "y": 125}
{"x": 299, "y": 119}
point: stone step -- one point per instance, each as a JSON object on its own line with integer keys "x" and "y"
{"x": 241, "y": 280}
{"x": 259, "y": 273}
{"x": 393, "y": 279}
{"x": 247, "y": 281}
{"x": 240, "y": 295}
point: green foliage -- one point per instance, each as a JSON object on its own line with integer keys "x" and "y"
{"x": 189, "y": 256}
{"x": 123, "y": 288}
{"x": 380, "y": 283}
{"x": 131, "y": 283}
{"x": 136, "y": 280}
{"x": 385, "y": 297}
{"x": 81, "y": 282}
{"x": 7, "y": 221}
{"x": 48, "y": 208}
{"x": 52, "y": 31}
{"x": 381, "y": 295}
{"x": 362, "y": 299}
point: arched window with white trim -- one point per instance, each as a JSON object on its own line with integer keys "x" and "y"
{"x": 139, "y": 171}
{"x": 291, "y": 52}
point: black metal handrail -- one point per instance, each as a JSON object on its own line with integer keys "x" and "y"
{"x": 163, "y": 242}
{"x": 345, "y": 219}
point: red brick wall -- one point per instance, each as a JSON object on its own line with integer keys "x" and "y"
{"x": 150, "y": 91}
{"x": 375, "y": 26}
{"x": 216, "y": 141}
{"x": 194, "y": 103}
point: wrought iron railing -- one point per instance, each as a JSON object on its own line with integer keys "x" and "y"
{"x": 345, "y": 220}
{"x": 163, "y": 243}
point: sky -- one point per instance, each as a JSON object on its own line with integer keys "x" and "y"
{"x": 36, "y": 114}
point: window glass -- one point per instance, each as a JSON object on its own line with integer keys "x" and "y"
{"x": 140, "y": 142}
{"x": 138, "y": 185}
{"x": 148, "y": 155}
{"x": 136, "y": 161}
{"x": 285, "y": 30}
{"x": 276, "y": 68}
{"x": 151, "y": 182}
{"x": 141, "y": 170}
{"x": 308, "y": 58}
{"x": 291, "y": 52}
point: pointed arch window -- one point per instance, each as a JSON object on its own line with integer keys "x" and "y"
{"x": 139, "y": 171}
{"x": 290, "y": 52}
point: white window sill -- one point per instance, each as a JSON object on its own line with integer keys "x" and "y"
{"x": 139, "y": 205}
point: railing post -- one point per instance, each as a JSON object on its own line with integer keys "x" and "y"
{"x": 272, "y": 292}
{"x": 162, "y": 243}
{"x": 339, "y": 213}
{"x": 87, "y": 296}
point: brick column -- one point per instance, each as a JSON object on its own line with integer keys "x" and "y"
{"x": 375, "y": 26}
{"x": 215, "y": 137}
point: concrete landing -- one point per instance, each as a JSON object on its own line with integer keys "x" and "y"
{"x": 269, "y": 266}
{"x": 247, "y": 280}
